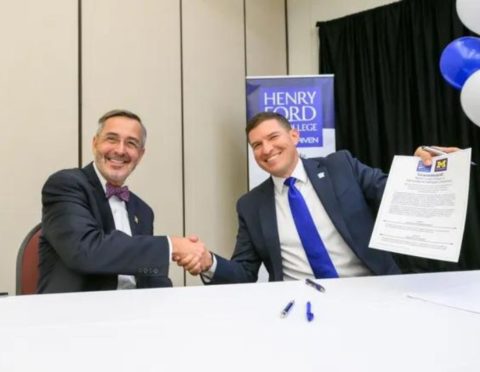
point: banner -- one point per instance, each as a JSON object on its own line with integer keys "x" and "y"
{"x": 306, "y": 101}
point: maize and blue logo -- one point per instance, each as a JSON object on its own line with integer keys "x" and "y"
{"x": 441, "y": 165}
{"x": 423, "y": 168}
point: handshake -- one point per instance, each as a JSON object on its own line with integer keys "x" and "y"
{"x": 191, "y": 254}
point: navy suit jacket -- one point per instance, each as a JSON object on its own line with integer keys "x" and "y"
{"x": 80, "y": 250}
{"x": 350, "y": 193}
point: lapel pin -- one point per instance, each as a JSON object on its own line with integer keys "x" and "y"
{"x": 136, "y": 219}
{"x": 321, "y": 175}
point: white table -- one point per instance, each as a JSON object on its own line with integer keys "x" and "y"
{"x": 361, "y": 324}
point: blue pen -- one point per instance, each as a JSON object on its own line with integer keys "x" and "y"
{"x": 287, "y": 309}
{"x": 310, "y": 315}
{"x": 317, "y": 286}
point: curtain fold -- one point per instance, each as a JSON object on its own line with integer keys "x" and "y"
{"x": 391, "y": 98}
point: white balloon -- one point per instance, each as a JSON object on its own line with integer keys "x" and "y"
{"x": 469, "y": 13}
{"x": 470, "y": 97}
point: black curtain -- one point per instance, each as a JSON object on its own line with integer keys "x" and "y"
{"x": 390, "y": 97}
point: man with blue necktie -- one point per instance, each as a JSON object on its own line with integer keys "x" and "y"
{"x": 96, "y": 234}
{"x": 311, "y": 219}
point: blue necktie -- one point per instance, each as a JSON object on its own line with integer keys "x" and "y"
{"x": 317, "y": 254}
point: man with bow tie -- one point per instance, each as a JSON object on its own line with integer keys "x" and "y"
{"x": 96, "y": 234}
{"x": 311, "y": 219}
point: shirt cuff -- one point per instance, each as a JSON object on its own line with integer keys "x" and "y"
{"x": 208, "y": 275}
{"x": 170, "y": 261}
{"x": 169, "y": 249}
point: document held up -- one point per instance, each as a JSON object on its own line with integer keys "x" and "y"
{"x": 423, "y": 208}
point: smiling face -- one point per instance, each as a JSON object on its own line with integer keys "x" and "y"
{"x": 118, "y": 149}
{"x": 274, "y": 147}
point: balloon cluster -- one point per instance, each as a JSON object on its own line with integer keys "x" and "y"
{"x": 460, "y": 60}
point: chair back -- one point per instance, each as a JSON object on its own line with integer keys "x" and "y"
{"x": 27, "y": 262}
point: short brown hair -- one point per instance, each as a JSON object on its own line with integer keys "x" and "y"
{"x": 267, "y": 115}
{"x": 124, "y": 114}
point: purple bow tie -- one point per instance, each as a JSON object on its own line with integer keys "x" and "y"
{"x": 121, "y": 192}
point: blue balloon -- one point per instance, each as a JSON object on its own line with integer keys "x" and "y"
{"x": 460, "y": 59}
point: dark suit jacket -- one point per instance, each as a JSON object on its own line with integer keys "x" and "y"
{"x": 350, "y": 192}
{"x": 80, "y": 250}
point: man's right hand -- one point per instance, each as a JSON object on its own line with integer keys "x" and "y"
{"x": 191, "y": 254}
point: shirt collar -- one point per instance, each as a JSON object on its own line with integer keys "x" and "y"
{"x": 103, "y": 181}
{"x": 299, "y": 173}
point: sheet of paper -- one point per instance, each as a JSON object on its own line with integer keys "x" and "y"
{"x": 464, "y": 297}
{"x": 423, "y": 209}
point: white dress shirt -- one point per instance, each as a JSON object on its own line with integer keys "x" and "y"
{"x": 294, "y": 259}
{"x": 120, "y": 219}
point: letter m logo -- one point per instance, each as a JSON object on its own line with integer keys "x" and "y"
{"x": 441, "y": 165}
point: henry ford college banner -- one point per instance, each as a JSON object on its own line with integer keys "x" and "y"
{"x": 306, "y": 101}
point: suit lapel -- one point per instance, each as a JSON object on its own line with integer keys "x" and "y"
{"x": 269, "y": 226}
{"x": 320, "y": 180}
{"x": 132, "y": 215}
{"x": 102, "y": 201}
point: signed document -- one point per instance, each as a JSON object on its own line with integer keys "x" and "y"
{"x": 423, "y": 208}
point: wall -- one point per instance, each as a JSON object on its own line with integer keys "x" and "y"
{"x": 181, "y": 65}
{"x": 216, "y": 41}
{"x": 38, "y": 115}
